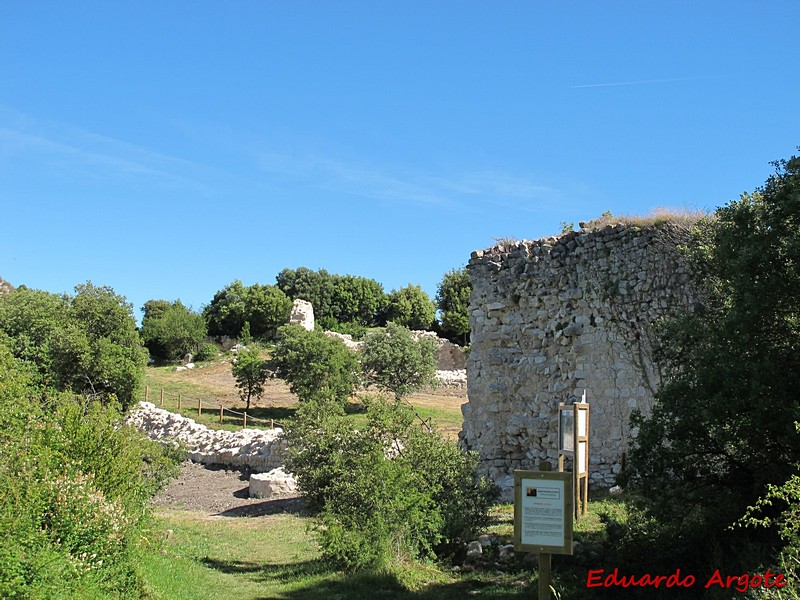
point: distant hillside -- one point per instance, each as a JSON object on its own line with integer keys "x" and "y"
{"x": 5, "y": 287}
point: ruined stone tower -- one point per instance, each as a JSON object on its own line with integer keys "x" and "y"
{"x": 558, "y": 315}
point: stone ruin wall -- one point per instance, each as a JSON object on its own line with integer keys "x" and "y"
{"x": 558, "y": 315}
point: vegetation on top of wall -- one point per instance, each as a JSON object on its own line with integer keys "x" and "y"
{"x": 685, "y": 217}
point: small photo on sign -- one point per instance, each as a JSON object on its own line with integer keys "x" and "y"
{"x": 530, "y": 491}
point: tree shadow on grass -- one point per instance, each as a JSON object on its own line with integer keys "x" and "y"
{"x": 318, "y": 580}
{"x": 292, "y": 505}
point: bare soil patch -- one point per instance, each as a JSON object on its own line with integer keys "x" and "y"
{"x": 219, "y": 491}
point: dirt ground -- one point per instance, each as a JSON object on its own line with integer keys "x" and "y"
{"x": 220, "y": 492}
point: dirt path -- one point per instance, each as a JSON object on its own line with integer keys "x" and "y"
{"x": 220, "y": 492}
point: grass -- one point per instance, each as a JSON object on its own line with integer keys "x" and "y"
{"x": 195, "y": 557}
{"x": 685, "y": 217}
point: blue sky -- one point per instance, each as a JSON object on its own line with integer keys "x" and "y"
{"x": 167, "y": 148}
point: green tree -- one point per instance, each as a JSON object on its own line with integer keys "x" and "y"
{"x": 315, "y": 366}
{"x": 395, "y": 362}
{"x": 411, "y": 307}
{"x": 357, "y": 300}
{"x": 154, "y": 309}
{"x": 31, "y": 319}
{"x": 86, "y": 343}
{"x": 452, "y": 300}
{"x": 265, "y": 307}
{"x": 313, "y": 286}
{"x": 171, "y": 331}
{"x": 250, "y": 373}
{"x": 722, "y": 428}
{"x": 337, "y": 299}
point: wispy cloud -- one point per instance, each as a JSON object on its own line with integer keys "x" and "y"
{"x": 639, "y": 82}
{"x": 75, "y": 150}
{"x": 466, "y": 191}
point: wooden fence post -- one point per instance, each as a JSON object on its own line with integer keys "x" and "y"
{"x": 199, "y": 407}
{"x": 180, "y": 398}
{"x": 220, "y": 413}
{"x": 244, "y": 421}
{"x": 272, "y": 423}
{"x": 147, "y": 393}
{"x": 162, "y": 397}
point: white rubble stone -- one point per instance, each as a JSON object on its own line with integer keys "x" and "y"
{"x": 258, "y": 449}
{"x": 474, "y": 549}
{"x": 347, "y": 339}
{"x": 272, "y": 484}
{"x": 454, "y": 378}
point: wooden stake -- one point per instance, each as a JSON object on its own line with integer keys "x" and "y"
{"x": 147, "y": 393}
{"x": 162, "y": 397}
{"x": 544, "y": 576}
{"x": 199, "y": 407}
{"x": 271, "y": 424}
{"x": 244, "y": 421}
{"x": 220, "y": 413}
{"x": 180, "y": 398}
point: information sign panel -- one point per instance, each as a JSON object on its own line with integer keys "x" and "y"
{"x": 566, "y": 429}
{"x": 582, "y": 422}
{"x": 543, "y": 512}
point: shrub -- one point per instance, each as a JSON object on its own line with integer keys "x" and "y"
{"x": 207, "y": 351}
{"x": 387, "y": 492}
{"x": 172, "y": 331}
{"x": 74, "y": 488}
{"x": 315, "y": 366}
{"x": 395, "y": 362}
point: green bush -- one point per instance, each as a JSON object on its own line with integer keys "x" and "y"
{"x": 395, "y": 362}
{"x": 207, "y": 351}
{"x": 315, "y": 366}
{"x": 74, "y": 491}
{"x": 388, "y": 492}
{"x": 86, "y": 343}
{"x": 356, "y": 330}
{"x": 173, "y": 331}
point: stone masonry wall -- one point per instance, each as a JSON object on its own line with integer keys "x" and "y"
{"x": 558, "y": 315}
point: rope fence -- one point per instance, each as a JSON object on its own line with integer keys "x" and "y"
{"x": 185, "y": 403}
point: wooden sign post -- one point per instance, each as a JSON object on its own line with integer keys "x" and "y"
{"x": 543, "y": 518}
{"x": 573, "y": 440}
